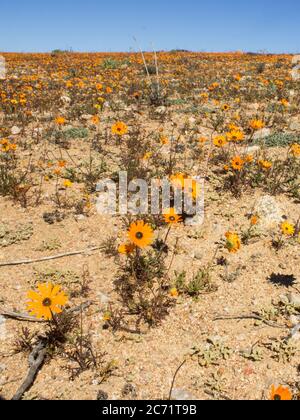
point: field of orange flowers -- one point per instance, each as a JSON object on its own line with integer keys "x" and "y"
{"x": 94, "y": 306}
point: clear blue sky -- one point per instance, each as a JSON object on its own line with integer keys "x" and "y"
{"x": 109, "y": 25}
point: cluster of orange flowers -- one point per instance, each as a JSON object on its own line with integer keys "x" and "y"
{"x": 6, "y": 146}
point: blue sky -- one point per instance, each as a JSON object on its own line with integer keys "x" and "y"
{"x": 91, "y": 25}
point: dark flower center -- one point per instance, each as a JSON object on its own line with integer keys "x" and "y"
{"x": 47, "y": 302}
{"x": 139, "y": 235}
{"x": 277, "y": 398}
{"x": 172, "y": 219}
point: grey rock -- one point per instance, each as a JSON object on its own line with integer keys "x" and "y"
{"x": 295, "y": 124}
{"x": 161, "y": 110}
{"x": 260, "y": 134}
{"x": 3, "y": 332}
{"x": 86, "y": 117}
{"x": 182, "y": 395}
{"x": 104, "y": 299}
{"x": 269, "y": 212}
{"x": 294, "y": 299}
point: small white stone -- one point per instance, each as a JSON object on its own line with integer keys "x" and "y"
{"x": 3, "y": 332}
{"x": 15, "y": 130}
{"x": 182, "y": 395}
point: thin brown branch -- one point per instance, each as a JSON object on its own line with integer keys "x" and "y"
{"x": 54, "y": 257}
{"x": 251, "y": 316}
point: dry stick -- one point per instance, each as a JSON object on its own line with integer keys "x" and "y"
{"x": 36, "y": 360}
{"x": 54, "y": 257}
{"x": 174, "y": 378}
{"x": 252, "y": 316}
{"x": 157, "y": 71}
{"x": 144, "y": 61}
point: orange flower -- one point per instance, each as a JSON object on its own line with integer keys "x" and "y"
{"x": 140, "y": 234}
{"x": 281, "y": 394}
{"x": 95, "y": 120}
{"x": 237, "y": 163}
{"x": 295, "y": 150}
{"x": 47, "y": 301}
{"x": 235, "y": 135}
{"x": 178, "y": 180}
{"x": 126, "y": 249}
{"x": 164, "y": 140}
{"x": 225, "y": 107}
{"x": 60, "y": 120}
{"x": 174, "y": 292}
{"x": 202, "y": 140}
{"x": 171, "y": 217}
{"x": 265, "y": 164}
{"x": 220, "y": 141}
{"x": 233, "y": 242}
{"x": 62, "y": 163}
{"x": 256, "y": 124}
{"x": 120, "y": 129}
{"x": 254, "y": 220}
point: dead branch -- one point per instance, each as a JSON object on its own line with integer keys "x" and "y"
{"x": 54, "y": 257}
{"x": 251, "y": 316}
{"x": 36, "y": 360}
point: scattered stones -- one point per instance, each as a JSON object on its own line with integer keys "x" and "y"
{"x": 54, "y": 217}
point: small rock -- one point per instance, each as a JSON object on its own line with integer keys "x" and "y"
{"x": 294, "y": 299}
{"x": 253, "y": 149}
{"x": 65, "y": 99}
{"x": 86, "y": 117}
{"x": 104, "y": 300}
{"x": 295, "y": 320}
{"x": 102, "y": 396}
{"x": 3, "y": 332}
{"x": 295, "y": 124}
{"x": 15, "y": 130}
{"x": 269, "y": 212}
{"x": 295, "y": 334}
{"x": 182, "y": 395}
{"x": 161, "y": 110}
{"x": 129, "y": 391}
{"x": 198, "y": 255}
{"x": 260, "y": 134}
{"x": 80, "y": 217}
